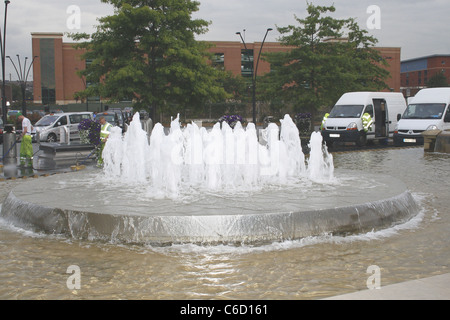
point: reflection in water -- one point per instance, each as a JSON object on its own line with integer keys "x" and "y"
{"x": 34, "y": 266}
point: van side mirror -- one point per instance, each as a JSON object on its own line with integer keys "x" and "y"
{"x": 399, "y": 116}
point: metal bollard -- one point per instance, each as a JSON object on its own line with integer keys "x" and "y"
{"x": 64, "y": 135}
{"x": 9, "y": 148}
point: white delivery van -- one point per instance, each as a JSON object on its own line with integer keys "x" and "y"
{"x": 428, "y": 110}
{"x": 344, "y": 124}
{"x": 48, "y": 127}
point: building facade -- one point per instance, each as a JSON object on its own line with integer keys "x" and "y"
{"x": 55, "y": 78}
{"x": 55, "y": 72}
{"x": 415, "y": 73}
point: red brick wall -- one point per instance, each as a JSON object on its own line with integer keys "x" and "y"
{"x": 72, "y": 63}
{"x": 68, "y": 61}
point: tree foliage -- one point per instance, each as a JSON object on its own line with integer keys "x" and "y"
{"x": 146, "y": 51}
{"x": 437, "y": 80}
{"x": 328, "y": 57}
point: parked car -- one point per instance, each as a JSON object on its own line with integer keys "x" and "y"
{"x": 114, "y": 117}
{"x": 48, "y": 128}
{"x": 123, "y": 119}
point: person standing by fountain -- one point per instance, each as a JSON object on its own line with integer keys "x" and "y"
{"x": 325, "y": 117}
{"x": 26, "y": 146}
{"x": 367, "y": 122}
{"x": 104, "y": 134}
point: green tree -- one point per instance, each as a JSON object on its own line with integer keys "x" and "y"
{"x": 438, "y": 80}
{"x": 146, "y": 51}
{"x": 327, "y": 58}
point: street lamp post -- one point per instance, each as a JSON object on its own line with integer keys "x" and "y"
{"x": 254, "y": 74}
{"x": 2, "y": 49}
{"x": 22, "y": 74}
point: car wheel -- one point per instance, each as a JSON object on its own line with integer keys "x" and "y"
{"x": 51, "y": 137}
{"x": 362, "y": 141}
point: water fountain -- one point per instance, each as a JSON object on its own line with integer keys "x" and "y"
{"x": 210, "y": 186}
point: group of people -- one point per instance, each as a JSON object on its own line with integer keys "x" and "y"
{"x": 26, "y": 146}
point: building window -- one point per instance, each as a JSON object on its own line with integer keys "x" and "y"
{"x": 218, "y": 61}
{"x": 247, "y": 63}
{"x": 48, "y": 83}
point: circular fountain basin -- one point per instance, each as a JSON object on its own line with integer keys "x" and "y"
{"x": 77, "y": 206}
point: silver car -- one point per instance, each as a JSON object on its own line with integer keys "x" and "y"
{"x": 48, "y": 128}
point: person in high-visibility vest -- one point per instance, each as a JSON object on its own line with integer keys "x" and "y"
{"x": 325, "y": 117}
{"x": 367, "y": 122}
{"x": 26, "y": 146}
{"x": 104, "y": 134}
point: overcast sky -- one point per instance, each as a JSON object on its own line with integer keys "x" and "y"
{"x": 419, "y": 28}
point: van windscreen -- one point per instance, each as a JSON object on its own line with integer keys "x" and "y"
{"x": 46, "y": 121}
{"x": 424, "y": 111}
{"x": 346, "y": 111}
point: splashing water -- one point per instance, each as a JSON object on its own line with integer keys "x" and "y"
{"x": 320, "y": 163}
{"x": 218, "y": 160}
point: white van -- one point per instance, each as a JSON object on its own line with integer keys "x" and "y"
{"x": 48, "y": 127}
{"x": 428, "y": 110}
{"x": 344, "y": 124}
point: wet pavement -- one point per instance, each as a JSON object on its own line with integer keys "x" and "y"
{"x": 431, "y": 288}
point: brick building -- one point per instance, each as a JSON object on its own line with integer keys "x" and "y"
{"x": 55, "y": 72}
{"x": 415, "y": 73}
